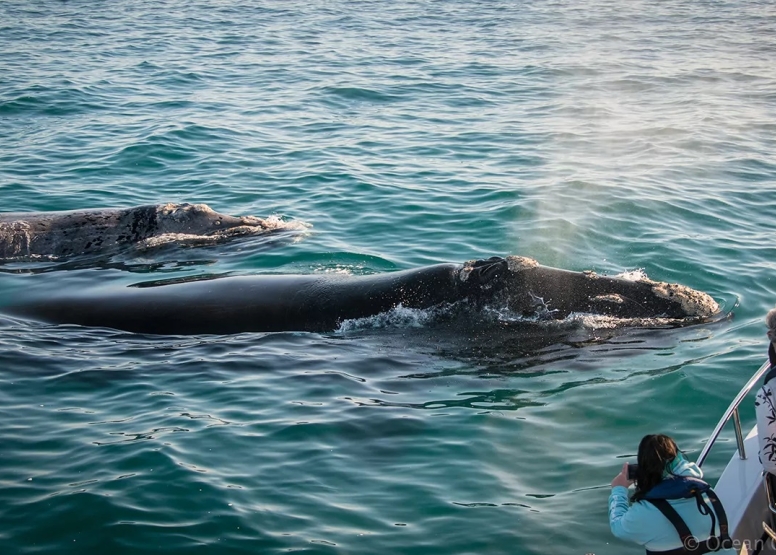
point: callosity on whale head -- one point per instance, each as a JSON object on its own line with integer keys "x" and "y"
{"x": 200, "y": 219}
{"x": 529, "y": 288}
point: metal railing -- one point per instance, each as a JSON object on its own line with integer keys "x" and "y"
{"x": 733, "y": 411}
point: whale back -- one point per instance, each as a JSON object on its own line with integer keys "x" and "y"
{"x": 61, "y": 234}
{"x": 263, "y": 303}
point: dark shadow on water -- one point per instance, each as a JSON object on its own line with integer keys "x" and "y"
{"x": 441, "y": 368}
{"x": 496, "y": 348}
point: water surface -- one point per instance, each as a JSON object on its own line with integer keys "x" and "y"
{"x": 589, "y": 135}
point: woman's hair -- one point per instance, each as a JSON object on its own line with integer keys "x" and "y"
{"x": 655, "y": 452}
{"x": 770, "y": 319}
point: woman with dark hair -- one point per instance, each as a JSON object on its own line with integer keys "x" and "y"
{"x": 672, "y": 511}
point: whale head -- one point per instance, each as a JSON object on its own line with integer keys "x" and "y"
{"x": 531, "y": 289}
{"x": 564, "y": 292}
{"x": 201, "y": 220}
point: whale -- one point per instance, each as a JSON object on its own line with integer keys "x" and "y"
{"x": 322, "y": 302}
{"x": 31, "y": 235}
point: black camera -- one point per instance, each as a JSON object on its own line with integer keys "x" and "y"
{"x": 632, "y": 470}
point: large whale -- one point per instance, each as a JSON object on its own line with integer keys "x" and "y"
{"x": 322, "y": 302}
{"x": 64, "y": 234}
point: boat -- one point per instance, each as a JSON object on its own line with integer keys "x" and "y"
{"x": 750, "y": 506}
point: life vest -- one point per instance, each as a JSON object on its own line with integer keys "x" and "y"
{"x": 684, "y": 487}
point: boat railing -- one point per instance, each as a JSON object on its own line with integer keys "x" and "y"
{"x": 732, "y": 411}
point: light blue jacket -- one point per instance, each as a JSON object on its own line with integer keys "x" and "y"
{"x": 644, "y": 524}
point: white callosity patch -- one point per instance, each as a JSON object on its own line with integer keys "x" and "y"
{"x": 463, "y": 273}
{"x": 194, "y": 219}
{"x": 181, "y": 221}
{"x": 694, "y": 303}
{"x": 520, "y": 263}
{"x": 15, "y": 239}
{"x": 168, "y": 238}
{"x": 633, "y": 275}
{"x": 180, "y": 211}
{"x": 613, "y": 298}
{"x": 272, "y": 223}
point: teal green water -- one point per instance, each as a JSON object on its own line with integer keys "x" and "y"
{"x": 600, "y": 135}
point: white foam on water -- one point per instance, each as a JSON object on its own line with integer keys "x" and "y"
{"x": 397, "y": 317}
{"x": 277, "y": 222}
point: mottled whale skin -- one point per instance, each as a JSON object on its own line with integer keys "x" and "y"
{"x": 64, "y": 234}
{"x": 320, "y": 303}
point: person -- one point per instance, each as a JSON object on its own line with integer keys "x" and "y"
{"x": 672, "y": 510}
{"x": 765, "y": 403}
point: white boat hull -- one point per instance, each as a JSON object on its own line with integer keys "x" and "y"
{"x": 740, "y": 488}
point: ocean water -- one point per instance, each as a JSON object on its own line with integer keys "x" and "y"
{"x": 603, "y": 135}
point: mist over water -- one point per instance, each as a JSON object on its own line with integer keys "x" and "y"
{"x": 606, "y": 136}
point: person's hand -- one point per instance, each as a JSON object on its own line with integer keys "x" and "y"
{"x": 622, "y": 478}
